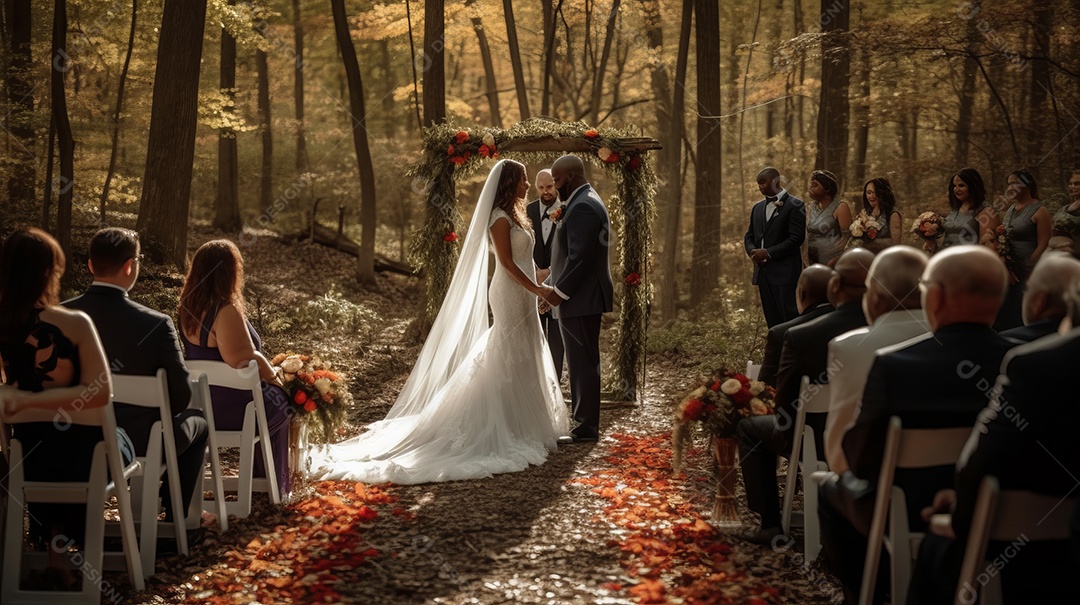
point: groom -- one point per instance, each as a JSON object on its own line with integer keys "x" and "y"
{"x": 581, "y": 279}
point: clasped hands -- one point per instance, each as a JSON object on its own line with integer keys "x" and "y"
{"x": 759, "y": 255}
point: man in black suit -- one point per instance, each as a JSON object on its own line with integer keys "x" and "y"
{"x": 1044, "y": 296}
{"x": 1026, "y": 437}
{"x": 544, "y": 214}
{"x": 939, "y": 380}
{"x": 583, "y": 291}
{"x": 138, "y": 341}
{"x": 812, "y": 299}
{"x": 805, "y": 353}
{"x": 774, "y": 242}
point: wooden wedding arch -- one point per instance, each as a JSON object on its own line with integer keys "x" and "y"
{"x": 452, "y": 153}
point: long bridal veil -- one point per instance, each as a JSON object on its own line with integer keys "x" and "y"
{"x": 463, "y": 317}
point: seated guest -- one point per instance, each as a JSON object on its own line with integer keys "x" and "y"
{"x": 1026, "y": 438}
{"x": 812, "y": 299}
{"x": 215, "y": 328}
{"x": 55, "y": 375}
{"x": 893, "y": 307}
{"x": 138, "y": 341}
{"x": 939, "y": 380}
{"x": 763, "y": 438}
{"x": 1044, "y": 298}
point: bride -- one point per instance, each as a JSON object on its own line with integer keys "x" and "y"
{"x": 481, "y": 399}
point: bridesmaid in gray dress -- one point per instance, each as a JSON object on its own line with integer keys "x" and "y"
{"x": 880, "y": 203}
{"x": 1029, "y": 224}
{"x": 827, "y": 219}
{"x": 972, "y": 220}
{"x": 1065, "y": 235}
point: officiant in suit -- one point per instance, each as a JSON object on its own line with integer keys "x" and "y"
{"x": 544, "y": 213}
{"x": 137, "y": 341}
{"x": 774, "y": 242}
{"x": 583, "y": 291}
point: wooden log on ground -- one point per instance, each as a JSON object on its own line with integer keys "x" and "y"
{"x": 323, "y": 235}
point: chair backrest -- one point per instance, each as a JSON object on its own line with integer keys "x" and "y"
{"x": 924, "y": 448}
{"x": 814, "y": 397}
{"x": 221, "y": 374}
{"x": 752, "y": 370}
{"x": 142, "y": 391}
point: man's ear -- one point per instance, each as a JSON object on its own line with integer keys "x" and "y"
{"x": 90, "y": 266}
{"x": 129, "y": 266}
{"x": 1039, "y": 300}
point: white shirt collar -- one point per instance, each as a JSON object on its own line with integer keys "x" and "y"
{"x": 108, "y": 285}
{"x": 574, "y": 192}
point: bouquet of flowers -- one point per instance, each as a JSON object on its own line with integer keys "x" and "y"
{"x": 865, "y": 227}
{"x": 316, "y": 393}
{"x": 928, "y": 225}
{"x": 718, "y": 405}
{"x": 1000, "y": 238}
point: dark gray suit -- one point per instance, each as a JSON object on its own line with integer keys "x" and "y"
{"x": 782, "y": 236}
{"x": 137, "y": 341}
{"x": 542, "y": 258}
{"x": 580, "y": 271}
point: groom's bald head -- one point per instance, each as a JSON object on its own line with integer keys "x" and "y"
{"x": 569, "y": 174}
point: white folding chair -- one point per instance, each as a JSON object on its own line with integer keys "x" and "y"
{"x": 752, "y": 370}
{"x": 813, "y": 399}
{"x": 1005, "y": 516}
{"x": 200, "y": 399}
{"x": 93, "y": 492}
{"x": 153, "y": 392}
{"x": 254, "y": 432}
{"x": 912, "y": 449}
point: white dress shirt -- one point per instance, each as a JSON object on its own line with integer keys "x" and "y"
{"x": 546, "y": 224}
{"x": 770, "y": 210}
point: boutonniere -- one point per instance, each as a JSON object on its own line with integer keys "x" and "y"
{"x": 556, "y": 214}
{"x": 779, "y": 203}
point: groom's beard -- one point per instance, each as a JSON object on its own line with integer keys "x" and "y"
{"x": 565, "y": 191}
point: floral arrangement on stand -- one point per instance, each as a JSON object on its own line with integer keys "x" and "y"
{"x": 317, "y": 394}
{"x": 718, "y": 405}
{"x": 452, "y": 153}
{"x": 864, "y": 229}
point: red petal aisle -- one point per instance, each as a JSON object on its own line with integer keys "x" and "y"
{"x": 298, "y": 561}
{"x": 665, "y": 542}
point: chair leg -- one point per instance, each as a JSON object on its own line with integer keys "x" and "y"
{"x": 13, "y": 535}
{"x": 247, "y": 464}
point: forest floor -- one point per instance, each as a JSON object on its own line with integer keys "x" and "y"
{"x": 597, "y": 523}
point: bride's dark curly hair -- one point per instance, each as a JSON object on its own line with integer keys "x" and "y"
{"x": 506, "y": 198}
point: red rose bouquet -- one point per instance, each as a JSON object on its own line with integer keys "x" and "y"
{"x": 316, "y": 393}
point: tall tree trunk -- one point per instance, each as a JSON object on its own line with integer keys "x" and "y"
{"x": 966, "y": 110}
{"x": 365, "y": 268}
{"x": 50, "y": 160}
{"x": 601, "y": 67}
{"x": 800, "y": 103}
{"x": 227, "y": 204}
{"x": 119, "y": 107}
{"x": 302, "y": 163}
{"x": 163, "y": 209}
{"x": 390, "y": 120}
{"x": 434, "y": 62}
{"x": 65, "y": 141}
{"x": 832, "y": 123}
{"x": 266, "y": 177}
{"x": 492, "y": 90}
{"x": 672, "y": 171}
{"x": 515, "y": 58}
{"x": 862, "y": 121}
{"x": 20, "y": 111}
{"x": 1040, "y": 109}
{"x": 551, "y": 23}
{"x": 706, "y": 266}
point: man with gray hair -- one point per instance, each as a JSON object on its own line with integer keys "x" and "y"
{"x": 893, "y": 307}
{"x": 1044, "y": 299}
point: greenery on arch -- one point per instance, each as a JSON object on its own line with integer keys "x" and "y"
{"x": 452, "y": 152}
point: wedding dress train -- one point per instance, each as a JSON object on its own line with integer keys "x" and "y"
{"x": 481, "y": 400}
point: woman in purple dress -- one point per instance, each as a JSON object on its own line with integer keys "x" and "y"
{"x": 215, "y": 328}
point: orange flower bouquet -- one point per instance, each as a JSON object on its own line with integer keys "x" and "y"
{"x": 316, "y": 393}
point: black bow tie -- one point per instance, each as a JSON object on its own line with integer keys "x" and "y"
{"x": 771, "y": 198}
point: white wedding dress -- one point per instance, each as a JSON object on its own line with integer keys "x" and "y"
{"x": 481, "y": 400}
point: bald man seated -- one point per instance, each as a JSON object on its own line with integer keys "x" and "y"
{"x": 1044, "y": 303}
{"x": 893, "y": 307}
{"x": 939, "y": 380}
{"x": 805, "y": 352}
{"x": 812, "y": 300}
